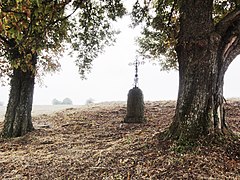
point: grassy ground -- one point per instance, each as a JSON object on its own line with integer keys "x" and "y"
{"x": 91, "y": 142}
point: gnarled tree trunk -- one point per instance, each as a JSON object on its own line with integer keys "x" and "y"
{"x": 18, "y": 119}
{"x": 202, "y": 65}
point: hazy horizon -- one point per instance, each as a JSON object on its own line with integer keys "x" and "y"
{"x": 111, "y": 77}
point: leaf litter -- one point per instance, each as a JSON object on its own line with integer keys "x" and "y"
{"x": 92, "y": 142}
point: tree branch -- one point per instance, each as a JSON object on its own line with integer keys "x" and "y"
{"x": 66, "y": 17}
{"x": 232, "y": 54}
{"x": 229, "y": 30}
{"x": 223, "y": 25}
{"x": 230, "y": 45}
{"x": 15, "y": 12}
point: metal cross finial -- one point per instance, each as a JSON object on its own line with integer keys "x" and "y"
{"x": 136, "y": 63}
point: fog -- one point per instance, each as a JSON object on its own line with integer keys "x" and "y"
{"x": 111, "y": 77}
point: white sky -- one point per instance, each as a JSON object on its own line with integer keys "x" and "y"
{"x": 111, "y": 77}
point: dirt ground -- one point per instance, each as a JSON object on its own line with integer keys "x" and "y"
{"x": 92, "y": 142}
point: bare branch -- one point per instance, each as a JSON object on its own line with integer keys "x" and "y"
{"x": 66, "y": 17}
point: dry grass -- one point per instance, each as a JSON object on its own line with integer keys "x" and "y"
{"x": 93, "y": 143}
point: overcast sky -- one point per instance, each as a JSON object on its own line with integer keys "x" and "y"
{"x": 111, "y": 77}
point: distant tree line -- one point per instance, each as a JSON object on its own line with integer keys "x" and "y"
{"x": 66, "y": 101}
{"x": 1, "y": 103}
{"x": 89, "y": 101}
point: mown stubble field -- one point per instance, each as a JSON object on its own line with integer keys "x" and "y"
{"x": 92, "y": 142}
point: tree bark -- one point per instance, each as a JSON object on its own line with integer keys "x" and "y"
{"x": 18, "y": 119}
{"x": 199, "y": 109}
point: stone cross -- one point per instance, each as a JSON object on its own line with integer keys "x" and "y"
{"x": 135, "y": 102}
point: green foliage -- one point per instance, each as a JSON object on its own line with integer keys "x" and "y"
{"x": 30, "y": 28}
{"x": 161, "y": 24}
{"x": 222, "y": 7}
{"x": 183, "y": 146}
{"x": 160, "y": 21}
{"x": 94, "y": 30}
{"x": 43, "y": 28}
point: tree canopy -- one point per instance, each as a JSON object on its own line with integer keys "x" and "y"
{"x": 44, "y": 28}
{"x": 161, "y": 25}
{"x": 34, "y": 33}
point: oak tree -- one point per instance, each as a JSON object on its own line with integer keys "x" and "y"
{"x": 200, "y": 38}
{"x": 33, "y": 33}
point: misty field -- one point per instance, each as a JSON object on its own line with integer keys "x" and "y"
{"x": 92, "y": 142}
{"x": 41, "y": 109}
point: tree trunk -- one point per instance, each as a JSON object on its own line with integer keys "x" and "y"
{"x": 199, "y": 108}
{"x": 18, "y": 119}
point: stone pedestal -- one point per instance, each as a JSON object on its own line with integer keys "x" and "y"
{"x": 135, "y": 106}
